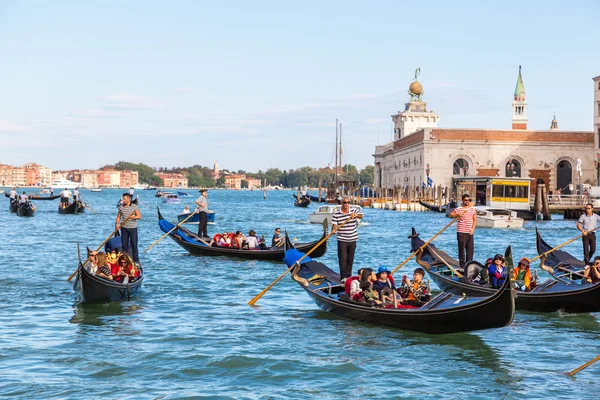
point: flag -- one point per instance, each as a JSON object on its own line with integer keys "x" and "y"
{"x": 429, "y": 181}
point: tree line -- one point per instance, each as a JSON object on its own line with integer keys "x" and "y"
{"x": 200, "y": 176}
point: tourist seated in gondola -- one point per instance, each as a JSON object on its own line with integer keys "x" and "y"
{"x": 278, "y": 239}
{"x": 93, "y": 262}
{"x": 118, "y": 271}
{"x": 240, "y": 241}
{"x": 592, "y": 273}
{"x": 352, "y": 286}
{"x": 103, "y": 270}
{"x": 497, "y": 271}
{"x": 186, "y": 211}
{"x": 415, "y": 293}
{"x": 384, "y": 282}
{"x": 522, "y": 275}
{"x": 252, "y": 241}
{"x": 369, "y": 295}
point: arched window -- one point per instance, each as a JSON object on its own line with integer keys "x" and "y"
{"x": 460, "y": 167}
{"x": 513, "y": 169}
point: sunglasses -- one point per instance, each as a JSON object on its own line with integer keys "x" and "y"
{"x": 467, "y": 200}
{"x": 345, "y": 202}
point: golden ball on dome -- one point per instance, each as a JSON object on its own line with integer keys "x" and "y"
{"x": 416, "y": 88}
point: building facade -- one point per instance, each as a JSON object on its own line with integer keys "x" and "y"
{"x": 172, "y": 180}
{"x": 129, "y": 178}
{"x": 428, "y": 155}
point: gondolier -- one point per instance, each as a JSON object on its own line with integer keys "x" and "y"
{"x": 76, "y": 195}
{"x": 65, "y": 194}
{"x": 346, "y": 237}
{"x": 467, "y": 220}
{"x": 586, "y": 224}
{"x": 13, "y": 194}
{"x": 129, "y": 234}
{"x": 202, "y": 209}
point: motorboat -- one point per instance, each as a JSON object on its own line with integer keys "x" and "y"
{"x": 170, "y": 198}
{"x": 61, "y": 184}
{"x": 495, "y": 217}
{"x": 326, "y": 212}
{"x": 140, "y": 186}
{"x": 95, "y": 190}
{"x": 45, "y": 191}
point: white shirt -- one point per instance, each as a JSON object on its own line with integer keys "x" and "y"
{"x": 65, "y": 193}
{"x": 355, "y": 287}
{"x": 76, "y": 193}
{"x": 23, "y": 198}
{"x": 186, "y": 211}
{"x": 13, "y": 194}
{"x": 131, "y": 192}
{"x": 252, "y": 242}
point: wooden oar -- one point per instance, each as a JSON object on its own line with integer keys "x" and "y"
{"x": 102, "y": 245}
{"x": 559, "y": 246}
{"x": 445, "y": 262}
{"x": 88, "y": 205}
{"x": 261, "y": 294}
{"x": 422, "y": 247}
{"x": 140, "y": 202}
{"x": 587, "y": 364}
{"x": 166, "y": 234}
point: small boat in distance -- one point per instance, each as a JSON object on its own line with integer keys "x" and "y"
{"x": 61, "y": 184}
{"x": 183, "y": 194}
{"x": 45, "y": 190}
{"x": 95, "y": 190}
{"x": 150, "y": 188}
{"x": 140, "y": 186}
{"x": 170, "y": 198}
{"x": 496, "y": 217}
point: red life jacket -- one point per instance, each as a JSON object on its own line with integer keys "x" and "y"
{"x": 349, "y": 283}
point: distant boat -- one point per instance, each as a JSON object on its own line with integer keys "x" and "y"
{"x": 170, "y": 198}
{"x": 64, "y": 184}
{"x": 95, "y": 190}
{"x": 496, "y": 217}
{"x": 140, "y": 186}
{"x": 183, "y": 194}
{"x": 150, "y": 188}
{"x": 45, "y": 191}
{"x": 326, "y": 212}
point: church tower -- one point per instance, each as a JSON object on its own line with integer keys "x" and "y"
{"x": 519, "y": 105}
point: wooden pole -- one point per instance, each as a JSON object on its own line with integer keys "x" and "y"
{"x": 166, "y": 234}
{"x": 587, "y": 364}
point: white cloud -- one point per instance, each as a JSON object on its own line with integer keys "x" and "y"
{"x": 128, "y": 102}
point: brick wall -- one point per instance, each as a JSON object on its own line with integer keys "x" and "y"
{"x": 536, "y": 174}
{"x": 510, "y": 136}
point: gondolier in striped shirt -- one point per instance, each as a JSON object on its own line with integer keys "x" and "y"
{"x": 346, "y": 236}
{"x": 467, "y": 220}
{"x": 129, "y": 234}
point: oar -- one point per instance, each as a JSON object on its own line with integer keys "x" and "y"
{"x": 88, "y": 205}
{"x": 422, "y": 247}
{"x": 166, "y": 234}
{"x": 559, "y": 246}
{"x": 261, "y": 294}
{"x": 103, "y": 243}
{"x": 445, "y": 262}
{"x": 587, "y": 364}
{"x": 140, "y": 202}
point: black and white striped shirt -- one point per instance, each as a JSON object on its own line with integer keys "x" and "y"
{"x": 125, "y": 213}
{"x": 346, "y": 233}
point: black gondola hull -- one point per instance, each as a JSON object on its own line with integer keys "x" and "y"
{"x": 198, "y": 249}
{"x": 302, "y": 203}
{"x": 13, "y": 206}
{"x": 76, "y": 207}
{"x": 26, "y": 210}
{"x": 93, "y": 289}
{"x": 443, "y": 314}
{"x": 548, "y": 296}
{"x": 432, "y": 207}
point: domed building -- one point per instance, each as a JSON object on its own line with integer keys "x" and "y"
{"x": 424, "y": 154}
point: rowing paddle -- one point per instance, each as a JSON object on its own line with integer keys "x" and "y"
{"x": 559, "y": 246}
{"x": 258, "y": 296}
{"x": 587, "y": 364}
{"x": 423, "y": 246}
{"x": 165, "y": 235}
{"x": 103, "y": 243}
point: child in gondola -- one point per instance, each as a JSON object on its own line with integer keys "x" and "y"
{"x": 415, "y": 293}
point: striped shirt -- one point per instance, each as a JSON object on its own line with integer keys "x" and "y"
{"x": 346, "y": 233}
{"x": 465, "y": 223}
{"x": 125, "y": 213}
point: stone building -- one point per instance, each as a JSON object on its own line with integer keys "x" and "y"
{"x": 173, "y": 180}
{"x": 423, "y": 154}
{"x": 597, "y": 125}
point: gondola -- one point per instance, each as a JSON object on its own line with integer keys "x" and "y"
{"x": 432, "y": 207}
{"x": 13, "y": 206}
{"x": 195, "y": 219}
{"x": 38, "y": 197}
{"x": 192, "y": 243}
{"x": 26, "y": 210}
{"x": 314, "y": 199}
{"x": 302, "y": 202}
{"x": 75, "y": 207}
{"x": 445, "y": 313}
{"x": 94, "y": 289}
{"x": 558, "y": 293}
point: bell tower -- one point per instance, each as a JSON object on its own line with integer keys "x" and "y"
{"x": 519, "y": 105}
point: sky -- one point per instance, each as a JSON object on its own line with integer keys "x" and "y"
{"x": 260, "y": 84}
